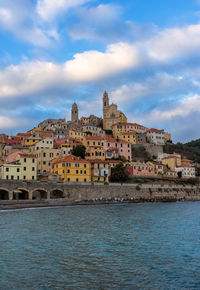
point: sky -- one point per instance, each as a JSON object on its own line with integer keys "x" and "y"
{"x": 145, "y": 53}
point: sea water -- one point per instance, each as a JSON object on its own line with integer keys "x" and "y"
{"x": 127, "y": 246}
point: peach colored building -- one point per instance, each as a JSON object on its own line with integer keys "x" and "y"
{"x": 140, "y": 169}
{"x": 124, "y": 148}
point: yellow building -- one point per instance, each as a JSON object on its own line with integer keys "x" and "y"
{"x": 171, "y": 162}
{"x": 23, "y": 168}
{"x": 31, "y": 141}
{"x": 77, "y": 134}
{"x": 95, "y": 152}
{"x": 158, "y": 168}
{"x": 120, "y": 127}
{"x": 90, "y": 141}
{"x": 84, "y": 120}
{"x": 130, "y": 137}
{"x": 72, "y": 169}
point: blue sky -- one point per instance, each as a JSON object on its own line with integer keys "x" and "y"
{"x": 145, "y": 53}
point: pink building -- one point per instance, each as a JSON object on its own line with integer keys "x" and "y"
{"x": 140, "y": 169}
{"x": 121, "y": 147}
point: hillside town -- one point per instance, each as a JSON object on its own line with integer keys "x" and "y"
{"x": 87, "y": 149}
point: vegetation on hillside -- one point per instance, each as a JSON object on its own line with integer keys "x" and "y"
{"x": 189, "y": 150}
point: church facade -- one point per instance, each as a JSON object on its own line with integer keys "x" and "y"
{"x": 111, "y": 114}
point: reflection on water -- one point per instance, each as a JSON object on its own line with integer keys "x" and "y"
{"x": 133, "y": 246}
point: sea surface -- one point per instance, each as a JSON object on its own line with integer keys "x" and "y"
{"x": 126, "y": 246}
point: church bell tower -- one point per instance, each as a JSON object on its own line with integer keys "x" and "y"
{"x": 74, "y": 113}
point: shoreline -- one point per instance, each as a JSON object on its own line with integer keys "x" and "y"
{"x": 41, "y": 204}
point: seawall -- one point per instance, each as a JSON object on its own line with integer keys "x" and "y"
{"x": 52, "y": 194}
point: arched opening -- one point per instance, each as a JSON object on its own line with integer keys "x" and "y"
{"x": 4, "y": 194}
{"x": 21, "y": 194}
{"x": 56, "y": 193}
{"x": 39, "y": 194}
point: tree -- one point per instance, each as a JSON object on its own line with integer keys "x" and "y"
{"x": 119, "y": 173}
{"x": 79, "y": 151}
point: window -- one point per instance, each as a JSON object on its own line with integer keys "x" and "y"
{"x": 17, "y": 177}
{"x": 33, "y": 177}
{"x": 85, "y": 165}
{"x": 44, "y": 154}
{"x": 76, "y": 179}
{"x": 24, "y": 168}
{"x": 12, "y": 177}
{"x": 7, "y": 169}
{"x": 44, "y": 162}
{"x": 33, "y": 168}
{"x": 84, "y": 171}
{"x": 68, "y": 171}
{"x": 76, "y": 171}
{"x": 33, "y": 160}
{"x": 24, "y": 177}
{"x": 85, "y": 179}
{"x": 81, "y": 172}
{"x": 6, "y": 176}
{"x": 68, "y": 179}
{"x": 24, "y": 160}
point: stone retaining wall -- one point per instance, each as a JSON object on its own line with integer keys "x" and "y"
{"x": 77, "y": 193}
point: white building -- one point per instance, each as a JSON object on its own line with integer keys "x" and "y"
{"x": 186, "y": 170}
{"x": 46, "y": 143}
{"x": 156, "y": 137}
{"x": 164, "y": 155}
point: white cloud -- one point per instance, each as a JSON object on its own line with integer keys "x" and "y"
{"x": 91, "y": 65}
{"x": 174, "y": 43}
{"x": 158, "y": 86}
{"x": 19, "y": 18}
{"x": 182, "y": 109}
{"x": 36, "y": 76}
{"x": 28, "y": 78}
{"x": 49, "y": 9}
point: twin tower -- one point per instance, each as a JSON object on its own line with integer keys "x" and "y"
{"x": 111, "y": 114}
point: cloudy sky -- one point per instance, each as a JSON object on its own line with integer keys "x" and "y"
{"x": 145, "y": 53}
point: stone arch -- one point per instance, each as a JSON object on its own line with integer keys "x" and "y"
{"x": 39, "y": 194}
{"x": 4, "y": 194}
{"x": 56, "y": 193}
{"x": 21, "y": 194}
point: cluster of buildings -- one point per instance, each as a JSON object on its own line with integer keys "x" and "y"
{"x": 45, "y": 152}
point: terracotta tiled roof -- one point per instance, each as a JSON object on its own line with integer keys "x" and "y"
{"x": 69, "y": 158}
{"x": 128, "y": 133}
{"x": 24, "y": 134}
{"x": 169, "y": 157}
{"x": 93, "y": 138}
{"x": 105, "y": 161}
{"x": 26, "y": 155}
{"x": 184, "y": 165}
{"x": 114, "y": 140}
{"x": 155, "y": 130}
